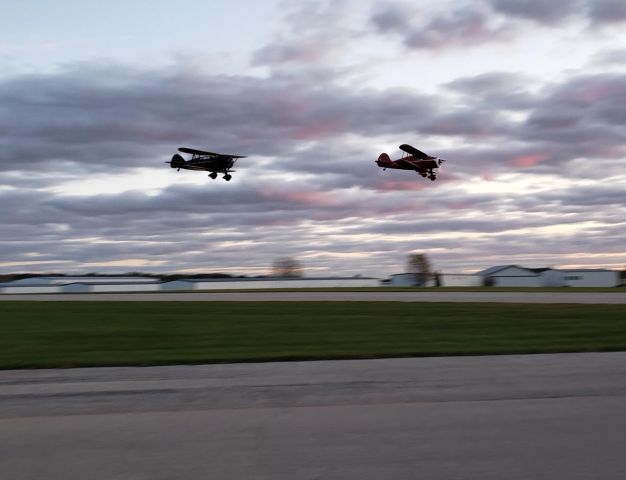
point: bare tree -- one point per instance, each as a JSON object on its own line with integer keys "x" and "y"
{"x": 419, "y": 265}
{"x": 287, "y": 267}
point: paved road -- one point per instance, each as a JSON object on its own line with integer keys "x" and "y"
{"x": 377, "y": 296}
{"x": 495, "y": 417}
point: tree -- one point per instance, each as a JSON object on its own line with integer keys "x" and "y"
{"x": 287, "y": 267}
{"x": 419, "y": 265}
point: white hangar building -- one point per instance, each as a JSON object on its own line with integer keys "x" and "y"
{"x": 516, "y": 276}
{"x": 445, "y": 279}
{"x": 269, "y": 282}
{"x": 90, "y": 284}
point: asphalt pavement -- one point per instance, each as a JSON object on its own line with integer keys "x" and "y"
{"x": 311, "y": 296}
{"x": 559, "y": 416}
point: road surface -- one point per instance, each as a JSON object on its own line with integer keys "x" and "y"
{"x": 485, "y": 418}
{"x": 375, "y": 296}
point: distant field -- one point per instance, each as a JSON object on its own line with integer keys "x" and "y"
{"x": 69, "y": 334}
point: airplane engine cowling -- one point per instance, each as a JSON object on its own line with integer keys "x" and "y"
{"x": 383, "y": 160}
{"x": 177, "y": 161}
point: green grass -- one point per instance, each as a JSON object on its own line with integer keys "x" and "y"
{"x": 69, "y": 334}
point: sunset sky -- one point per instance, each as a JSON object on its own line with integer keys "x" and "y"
{"x": 525, "y": 99}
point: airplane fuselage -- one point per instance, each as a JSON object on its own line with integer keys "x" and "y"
{"x": 410, "y": 163}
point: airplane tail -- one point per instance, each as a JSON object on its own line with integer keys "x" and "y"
{"x": 177, "y": 161}
{"x": 384, "y": 160}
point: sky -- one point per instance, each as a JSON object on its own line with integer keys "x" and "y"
{"x": 525, "y": 99}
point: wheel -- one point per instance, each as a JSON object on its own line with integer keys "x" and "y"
{"x": 213, "y": 175}
{"x": 227, "y": 177}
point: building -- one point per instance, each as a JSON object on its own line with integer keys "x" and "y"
{"x": 516, "y": 276}
{"x": 80, "y": 284}
{"x": 93, "y": 279}
{"x": 591, "y": 278}
{"x": 89, "y": 284}
{"x": 509, "y": 276}
{"x": 269, "y": 282}
{"x": 445, "y": 280}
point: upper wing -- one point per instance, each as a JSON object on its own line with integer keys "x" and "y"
{"x": 414, "y": 151}
{"x": 193, "y": 151}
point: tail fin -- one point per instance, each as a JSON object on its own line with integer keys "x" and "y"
{"x": 383, "y": 160}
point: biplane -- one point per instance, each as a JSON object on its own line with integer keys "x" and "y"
{"x": 207, "y": 161}
{"x": 412, "y": 159}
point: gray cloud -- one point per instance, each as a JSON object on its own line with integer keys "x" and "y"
{"x": 607, "y": 11}
{"x": 461, "y": 27}
{"x": 73, "y": 121}
{"x": 390, "y": 17}
{"x": 538, "y": 10}
{"x": 615, "y": 57}
{"x": 492, "y": 21}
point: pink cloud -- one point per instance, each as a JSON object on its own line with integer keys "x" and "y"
{"x": 527, "y": 161}
{"x": 392, "y": 185}
{"x": 317, "y": 130}
{"x": 598, "y": 92}
{"x": 312, "y": 198}
{"x": 459, "y": 205}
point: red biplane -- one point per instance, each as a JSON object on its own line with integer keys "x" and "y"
{"x": 208, "y": 161}
{"x": 413, "y": 159}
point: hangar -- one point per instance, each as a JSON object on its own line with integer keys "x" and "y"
{"x": 445, "y": 279}
{"x": 92, "y": 284}
{"x": 516, "y": 276}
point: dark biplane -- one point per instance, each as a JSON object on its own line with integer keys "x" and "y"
{"x": 414, "y": 159}
{"x": 207, "y": 161}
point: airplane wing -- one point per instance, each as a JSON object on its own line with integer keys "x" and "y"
{"x": 414, "y": 151}
{"x": 193, "y": 151}
{"x": 407, "y": 163}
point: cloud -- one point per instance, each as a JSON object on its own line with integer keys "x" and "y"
{"x": 455, "y": 28}
{"x": 616, "y": 57}
{"x": 607, "y": 11}
{"x": 314, "y": 34}
{"x": 537, "y": 10}
{"x": 460, "y": 26}
{"x": 582, "y": 115}
{"x": 391, "y": 17}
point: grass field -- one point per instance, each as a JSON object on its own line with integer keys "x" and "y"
{"x": 69, "y": 334}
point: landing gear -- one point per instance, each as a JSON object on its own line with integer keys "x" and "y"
{"x": 432, "y": 177}
{"x": 213, "y": 175}
{"x": 227, "y": 177}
